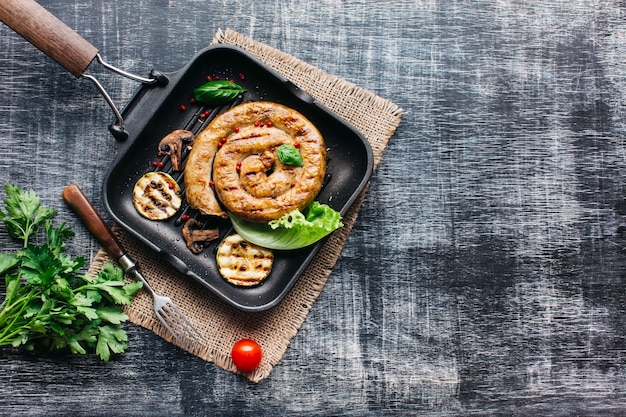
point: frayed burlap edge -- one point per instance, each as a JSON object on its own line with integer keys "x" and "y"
{"x": 221, "y": 324}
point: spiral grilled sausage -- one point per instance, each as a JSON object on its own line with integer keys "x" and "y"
{"x": 237, "y": 156}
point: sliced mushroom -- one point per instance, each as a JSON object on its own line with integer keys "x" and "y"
{"x": 195, "y": 237}
{"x": 173, "y": 144}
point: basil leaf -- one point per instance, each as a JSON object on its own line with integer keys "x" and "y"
{"x": 289, "y": 155}
{"x": 216, "y": 93}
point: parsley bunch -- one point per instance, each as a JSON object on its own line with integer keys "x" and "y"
{"x": 48, "y": 304}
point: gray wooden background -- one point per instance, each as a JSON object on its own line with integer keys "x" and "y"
{"x": 485, "y": 275}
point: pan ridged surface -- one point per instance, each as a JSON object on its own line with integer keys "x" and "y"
{"x": 238, "y": 151}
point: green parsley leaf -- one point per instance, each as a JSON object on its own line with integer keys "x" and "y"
{"x": 24, "y": 213}
{"x": 48, "y": 305}
{"x": 111, "y": 314}
{"x": 89, "y": 312}
{"x": 7, "y": 262}
{"x": 110, "y": 339}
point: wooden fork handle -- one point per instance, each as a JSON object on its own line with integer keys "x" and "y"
{"x": 88, "y": 214}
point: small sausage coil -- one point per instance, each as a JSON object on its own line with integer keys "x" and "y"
{"x": 237, "y": 157}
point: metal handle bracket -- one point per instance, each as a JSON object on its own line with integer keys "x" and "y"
{"x": 118, "y": 129}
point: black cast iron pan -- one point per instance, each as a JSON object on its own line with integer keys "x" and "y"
{"x": 155, "y": 111}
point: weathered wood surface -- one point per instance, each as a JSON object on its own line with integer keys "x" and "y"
{"x": 486, "y": 273}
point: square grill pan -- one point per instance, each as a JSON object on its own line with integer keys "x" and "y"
{"x": 155, "y": 111}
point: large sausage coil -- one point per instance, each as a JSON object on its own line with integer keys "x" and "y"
{"x": 236, "y": 160}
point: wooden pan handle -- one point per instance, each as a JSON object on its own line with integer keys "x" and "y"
{"x": 53, "y": 37}
{"x": 88, "y": 214}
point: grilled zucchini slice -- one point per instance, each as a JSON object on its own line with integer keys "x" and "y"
{"x": 157, "y": 196}
{"x": 243, "y": 263}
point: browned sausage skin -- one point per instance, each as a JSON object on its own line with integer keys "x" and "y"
{"x": 236, "y": 156}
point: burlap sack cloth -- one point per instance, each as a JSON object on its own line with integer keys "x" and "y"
{"x": 221, "y": 324}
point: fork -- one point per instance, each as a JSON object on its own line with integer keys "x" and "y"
{"x": 165, "y": 310}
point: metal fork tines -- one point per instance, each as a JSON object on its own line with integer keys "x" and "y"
{"x": 165, "y": 309}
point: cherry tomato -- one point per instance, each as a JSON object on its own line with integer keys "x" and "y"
{"x": 246, "y": 354}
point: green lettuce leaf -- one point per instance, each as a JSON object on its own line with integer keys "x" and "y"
{"x": 294, "y": 230}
